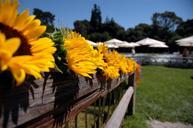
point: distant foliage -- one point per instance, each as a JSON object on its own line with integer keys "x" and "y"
{"x": 139, "y": 32}
{"x": 165, "y": 26}
{"x": 47, "y": 18}
{"x": 99, "y": 37}
{"x": 185, "y": 28}
{"x": 113, "y": 28}
{"x": 95, "y": 30}
{"x": 96, "y": 19}
{"x": 167, "y": 20}
{"x": 83, "y": 26}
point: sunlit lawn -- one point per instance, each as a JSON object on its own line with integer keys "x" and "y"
{"x": 165, "y": 94}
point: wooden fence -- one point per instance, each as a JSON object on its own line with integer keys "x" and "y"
{"x": 65, "y": 100}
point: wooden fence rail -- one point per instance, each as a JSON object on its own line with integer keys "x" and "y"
{"x": 118, "y": 114}
{"x": 64, "y": 99}
{"x": 127, "y": 104}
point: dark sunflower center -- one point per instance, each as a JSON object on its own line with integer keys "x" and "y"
{"x": 9, "y": 32}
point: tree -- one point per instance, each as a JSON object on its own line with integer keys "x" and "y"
{"x": 99, "y": 37}
{"x": 164, "y": 26}
{"x": 96, "y": 19}
{"x": 83, "y": 27}
{"x": 145, "y": 29}
{"x": 47, "y": 18}
{"x": 185, "y": 28}
{"x": 113, "y": 28}
{"x": 167, "y": 20}
{"x": 131, "y": 35}
{"x": 173, "y": 47}
{"x": 139, "y": 32}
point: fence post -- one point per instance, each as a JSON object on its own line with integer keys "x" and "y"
{"x": 131, "y": 107}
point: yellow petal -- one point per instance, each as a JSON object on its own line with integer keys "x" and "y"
{"x": 2, "y": 38}
{"x": 19, "y": 75}
{"x": 4, "y": 57}
{"x": 35, "y": 33}
{"x": 12, "y": 45}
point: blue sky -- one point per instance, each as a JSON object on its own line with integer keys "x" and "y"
{"x": 127, "y": 13}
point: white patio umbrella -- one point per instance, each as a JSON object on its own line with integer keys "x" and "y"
{"x": 92, "y": 43}
{"x": 149, "y": 41}
{"x": 132, "y": 44}
{"x": 122, "y": 44}
{"x": 114, "y": 42}
{"x": 128, "y": 45}
{"x": 108, "y": 45}
{"x": 112, "y": 46}
{"x": 158, "y": 46}
{"x": 188, "y": 41}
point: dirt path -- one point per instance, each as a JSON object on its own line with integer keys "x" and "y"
{"x": 158, "y": 124}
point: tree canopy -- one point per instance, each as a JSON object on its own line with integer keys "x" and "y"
{"x": 166, "y": 26}
{"x": 96, "y": 19}
{"x": 185, "y": 28}
{"x": 83, "y": 27}
{"x": 166, "y": 20}
{"x": 47, "y": 18}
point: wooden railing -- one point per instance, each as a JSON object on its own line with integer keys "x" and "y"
{"x": 64, "y": 99}
{"x": 127, "y": 103}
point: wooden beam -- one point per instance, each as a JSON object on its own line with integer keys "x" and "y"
{"x": 118, "y": 114}
{"x": 77, "y": 95}
{"x": 131, "y": 107}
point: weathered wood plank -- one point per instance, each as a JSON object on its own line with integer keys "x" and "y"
{"x": 118, "y": 114}
{"x": 131, "y": 107}
{"x": 68, "y": 97}
{"x": 83, "y": 104}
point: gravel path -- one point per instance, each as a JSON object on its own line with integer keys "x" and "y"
{"x": 158, "y": 124}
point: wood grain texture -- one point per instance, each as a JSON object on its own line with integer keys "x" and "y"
{"x": 62, "y": 99}
{"x": 131, "y": 107}
{"x": 119, "y": 112}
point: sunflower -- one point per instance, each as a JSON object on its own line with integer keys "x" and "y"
{"x": 132, "y": 65}
{"x": 113, "y": 59}
{"x": 115, "y": 62}
{"x": 102, "y": 48}
{"x": 123, "y": 64}
{"x": 30, "y": 54}
{"x": 111, "y": 72}
{"x": 79, "y": 55}
{"x": 108, "y": 67}
{"x": 98, "y": 59}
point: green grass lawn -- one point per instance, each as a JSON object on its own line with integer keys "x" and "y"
{"x": 164, "y": 94}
